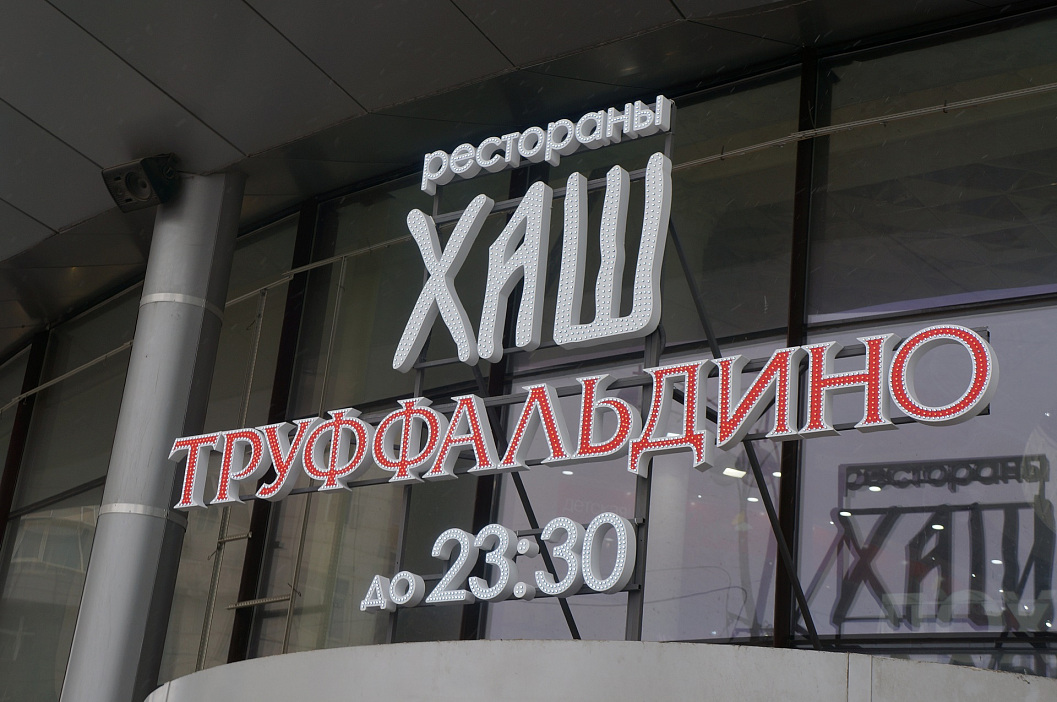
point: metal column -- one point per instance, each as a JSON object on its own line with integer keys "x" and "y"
{"x": 124, "y": 610}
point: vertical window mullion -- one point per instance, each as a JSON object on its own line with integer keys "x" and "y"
{"x": 788, "y": 490}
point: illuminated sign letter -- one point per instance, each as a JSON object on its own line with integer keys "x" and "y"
{"x": 646, "y": 305}
{"x": 287, "y": 458}
{"x": 656, "y": 438}
{"x": 542, "y": 401}
{"x": 334, "y": 465}
{"x": 468, "y": 429}
{"x": 507, "y": 263}
{"x": 438, "y": 294}
{"x": 821, "y": 383}
{"x": 982, "y": 383}
{"x": 414, "y": 452}
{"x": 777, "y": 379}
{"x": 245, "y": 449}
{"x": 628, "y": 422}
{"x": 197, "y": 450}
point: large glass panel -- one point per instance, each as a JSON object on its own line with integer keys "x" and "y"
{"x": 285, "y": 530}
{"x": 950, "y": 208}
{"x": 42, "y": 570}
{"x": 372, "y": 217}
{"x": 310, "y": 359}
{"x": 92, "y": 334}
{"x": 262, "y": 258}
{"x": 211, "y": 560}
{"x": 733, "y": 217}
{"x": 11, "y": 378}
{"x": 946, "y": 71}
{"x": 580, "y": 491}
{"x": 939, "y": 530}
{"x": 214, "y": 544}
{"x": 72, "y": 431}
{"x": 712, "y": 553}
{"x": 379, "y": 292}
{"x": 350, "y": 538}
{"x": 434, "y": 508}
{"x": 249, "y": 345}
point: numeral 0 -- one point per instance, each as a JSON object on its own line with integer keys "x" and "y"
{"x": 626, "y": 545}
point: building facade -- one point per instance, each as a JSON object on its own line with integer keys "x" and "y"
{"x": 880, "y": 184}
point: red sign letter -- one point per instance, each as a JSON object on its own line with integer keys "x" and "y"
{"x": 541, "y": 400}
{"x": 243, "y": 448}
{"x": 413, "y": 453}
{"x": 628, "y": 421}
{"x": 777, "y": 380}
{"x": 197, "y": 450}
{"x": 982, "y": 384}
{"x": 469, "y": 429}
{"x": 336, "y": 467}
{"x": 821, "y": 384}
{"x": 287, "y": 457}
{"x": 693, "y": 436}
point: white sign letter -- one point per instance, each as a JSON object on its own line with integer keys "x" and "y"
{"x": 438, "y": 294}
{"x": 646, "y": 305}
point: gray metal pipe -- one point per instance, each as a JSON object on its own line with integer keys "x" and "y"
{"x": 128, "y": 592}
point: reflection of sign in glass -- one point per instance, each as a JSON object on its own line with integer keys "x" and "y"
{"x": 968, "y": 564}
{"x": 952, "y": 473}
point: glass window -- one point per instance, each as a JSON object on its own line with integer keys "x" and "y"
{"x": 883, "y": 83}
{"x": 939, "y": 529}
{"x": 580, "y": 491}
{"x": 92, "y": 334}
{"x": 945, "y": 209}
{"x": 261, "y": 258}
{"x": 733, "y": 217}
{"x": 42, "y": 570}
{"x": 72, "y": 430}
{"x": 349, "y": 538}
{"x": 712, "y": 553}
{"x": 12, "y": 374}
{"x": 434, "y": 507}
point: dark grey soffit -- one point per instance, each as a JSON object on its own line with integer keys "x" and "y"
{"x": 306, "y": 98}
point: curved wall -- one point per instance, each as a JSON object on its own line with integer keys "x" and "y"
{"x": 593, "y": 670}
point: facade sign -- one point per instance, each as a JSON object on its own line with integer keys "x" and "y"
{"x": 416, "y": 442}
{"x": 536, "y": 144}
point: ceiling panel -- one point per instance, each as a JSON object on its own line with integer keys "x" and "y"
{"x": 13, "y": 317}
{"x": 44, "y": 177}
{"x": 391, "y": 141}
{"x": 94, "y": 101}
{"x": 515, "y": 101}
{"x": 18, "y": 231}
{"x": 673, "y": 55}
{"x": 412, "y": 47}
{"x": 822, "y": 22}
{"x": 14, "y": 340}
{"x": 303, "y": 178}
{"x": 529, "y": 32}
{"x": 698, "y": 9}
{"x": 256, "y": 208}
{"x": 50, "y": 293}
{"x": 221, "y": 61}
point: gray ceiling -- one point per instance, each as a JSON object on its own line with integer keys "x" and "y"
{"x": 313, "y": 95}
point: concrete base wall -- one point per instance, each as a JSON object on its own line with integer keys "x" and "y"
{"x": 583, "y": 671}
